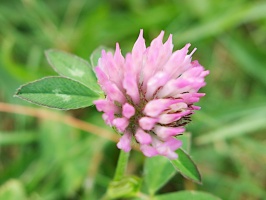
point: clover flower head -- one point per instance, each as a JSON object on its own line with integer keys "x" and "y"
{"x": 150, "y": 94}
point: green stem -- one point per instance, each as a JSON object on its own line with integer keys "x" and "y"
{"x": 121, "y": 165}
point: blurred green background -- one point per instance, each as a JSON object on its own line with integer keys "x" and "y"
{"x": 46, "y": 159}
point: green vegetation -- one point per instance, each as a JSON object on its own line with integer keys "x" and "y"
{"x": 51, "y": 155}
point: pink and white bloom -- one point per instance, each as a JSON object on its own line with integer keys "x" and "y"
{"x": 150, "y": 94}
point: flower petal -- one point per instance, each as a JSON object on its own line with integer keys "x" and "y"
{"x": 147, "y": 123}
{"x": 131, "y": 87}
{"x": 118, "y": 58}
{"x": 169, "y": 118}
{"x": 102, "y": 77}
{"x": 165, "y": 151}
{"x": 156, "y": 81}
{"x": 190, "y": 98}
{"x": 114, "y": 93}
{"x": 125, "y": 142}
{"x": 168, "y": 147}
{"x": 166, "y": 132}
{"x": 178, "y": 107}
{"x": 152, "y": 58}
{"x": 137, "y": 52}
{"x": 177, "y": 64}
{"x": 155, "y": 107}
{"x": 108, "y": 118}
{"x": 148, "y": 150}
{"x": 120, "y": 124}
{"x": 143, "y": 137}
{"x": 173, "y": 143}
{"x": 106, "y": 106}
{"x": 128, "y": 110}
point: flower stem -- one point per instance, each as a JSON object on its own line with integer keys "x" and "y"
{"x": 121, "y": 165}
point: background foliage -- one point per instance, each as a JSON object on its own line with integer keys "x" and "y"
{"x": 48, "y": 155}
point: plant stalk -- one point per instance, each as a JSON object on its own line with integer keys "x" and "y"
{"x": 121, "y": 165}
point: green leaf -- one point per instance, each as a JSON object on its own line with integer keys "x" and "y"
{"x": 17, "y": 137}
{"x": 157, "y": 172}
{"x": 186, "y": 141}
{"x": 97, "y": 53}
{"x": 57, "y": 92}
{"x": 121, "y": 165}
{"x": 186, "y": 195}
{"x": 246, "y": 57}
{"x": 186, "y": 166}
{"x": 124, "y": 188}
{"x": 236, "y": 128}
{"x": 220, "y": 23}
{"x": 12, "y": 189}
{"x": 73, "y": 67}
